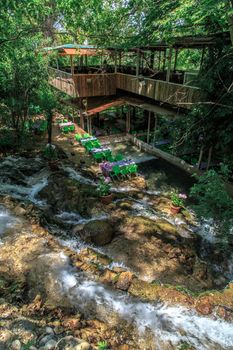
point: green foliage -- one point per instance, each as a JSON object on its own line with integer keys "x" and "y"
{"x": 104, "y": 186}
{"x": 213, "y": 200}
{"x": 178, "y": 199}
{"x": 50, "y": 152}
{"x": 102, "y": 345}
{"x": 28, "y": 344}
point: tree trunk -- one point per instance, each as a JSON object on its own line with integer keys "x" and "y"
{"x": 49, "y": 118}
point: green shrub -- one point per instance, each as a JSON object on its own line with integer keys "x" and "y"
{"x": 213, "y": 200}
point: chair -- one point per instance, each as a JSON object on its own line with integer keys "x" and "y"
{"x": 78, "y": 137}
{"x": 71, "y": 128}
{"x": 86, "y": 136}
{"x": 133, "y": 168}
{"x": 65, "y": 129}
{"x": 118, "y": 157}
{"x": 110, "y": 158}
{"x": 98, "y": 156}
{"x": 65, "y": 120}
{"x": 116, "y": 171}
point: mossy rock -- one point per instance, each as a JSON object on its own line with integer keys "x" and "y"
{"x": 99, "y": 232}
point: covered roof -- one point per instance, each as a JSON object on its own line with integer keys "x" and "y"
{"x": 188, "y": 42}
{"x": 75, "y": 49}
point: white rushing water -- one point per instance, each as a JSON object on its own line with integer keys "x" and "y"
{"x": 29, "y": 188}
{"x": 167, "y": 324}
{"x": 73, "y": 174}
{"x": 6, "y": 220}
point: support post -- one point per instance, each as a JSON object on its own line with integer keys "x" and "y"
{"x": 159, "y": 60}
{"x": 202, "y": 57}
{"x": 176, "y": 56}
{"x": 86, "y": 60}
{"x": 71, "y": 65}
{"x": 152, "y": 58}
{"x": 200, "y": 157}
{"x": 148, "y": 128}
{"x": 209, "y": 158}
{"x": 115, "y": 61}
{"x": 128, "y": 121}
{"x": 164, "y": 58}
{"x": 81, "y": 120}
{"x": 90, "y": 125}
{"x": 138, "y": 63}
{"x": 155, "y": 127}
{"x": 169, "y": 64}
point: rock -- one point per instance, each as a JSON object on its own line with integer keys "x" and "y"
{"x": 124, "y": 280}
{"x": 19, "y": 210}
{"x": 204, "y": 306}
{"x": 83, "y": 346}
{"x": 50, "y": 345}
{"x": 45, "y": 339}
{"x": 123, "y": 347}
{"x": 16, "y": 345}
{"x": 49, "y": 330}
{"x": 72, "y": 323}
{"x": 99, "y": 232}
{"x": 109, "y": 276}
{"x": 32, "y": 348}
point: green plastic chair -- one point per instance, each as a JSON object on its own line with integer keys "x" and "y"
{"x": 118, "y": 157}
{"x": 133, "y": 169}
{"x": 78, "y": 137}
{"x": 71, "y": 128}
{"x": 86, "y": 136}
{"x": 65, "y": 129}
{"x": 110, "y": 158}
{"x": 116, "y": 171}
{"x": 65, "y": 120}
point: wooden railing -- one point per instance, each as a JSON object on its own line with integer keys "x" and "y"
{"x": 86, "y": 85}
{"x": 170, "y": 93}
{"x": 62, "y": 81}
{"x": 95, "y": 84}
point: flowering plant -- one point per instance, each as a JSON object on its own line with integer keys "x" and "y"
{"x": 178, "y": 199}
{"x": 104, "y": 186}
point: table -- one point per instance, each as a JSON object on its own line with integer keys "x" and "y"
{"x": 93, "y": 138}
{"x": 65, "y": 124}
{"x": 106, "y": 167}
{"x": 101, "y": 149}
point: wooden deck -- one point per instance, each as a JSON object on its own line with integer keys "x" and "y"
{"x": 90, "y": 85}
{"x": 162, "y": 91}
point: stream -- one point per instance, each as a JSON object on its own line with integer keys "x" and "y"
{"x": 155, "y": 325}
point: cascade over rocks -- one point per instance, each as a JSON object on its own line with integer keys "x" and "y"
{"x": 65, "y": 194}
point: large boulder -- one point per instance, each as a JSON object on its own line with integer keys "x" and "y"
{"x": 99, "y": 232}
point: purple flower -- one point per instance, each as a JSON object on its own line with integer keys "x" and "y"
{"x": 107, "y": 180}
{"x": 182, "y": 196}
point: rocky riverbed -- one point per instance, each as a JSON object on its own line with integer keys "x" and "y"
{"x": 128, "y": 273}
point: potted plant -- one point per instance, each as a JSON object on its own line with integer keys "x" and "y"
{"x": 104, "y": 190}
{"x": 50, "y": 153}
{"x": 177, "y": 202}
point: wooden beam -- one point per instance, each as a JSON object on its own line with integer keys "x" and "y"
{"x": 169, "y": 64}
{"x": 155, "y": 127}
{"x": 138, "y": 63}
{"x": 200, "y": 157}
{"x": 71, "y": 65}
{"x": 164, "y": 58}
{"x": 159, "y": 60}
{"x": 148, "y": 128}
{"x": 115, "y": 61}
{"x": 202, "y": 57}
{"x": 176, "y": 56}
{"x": 209, "y": 157}
{"x": 90, "y": 125}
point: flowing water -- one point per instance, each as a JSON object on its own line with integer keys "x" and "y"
{"x": 156, "y": 325}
